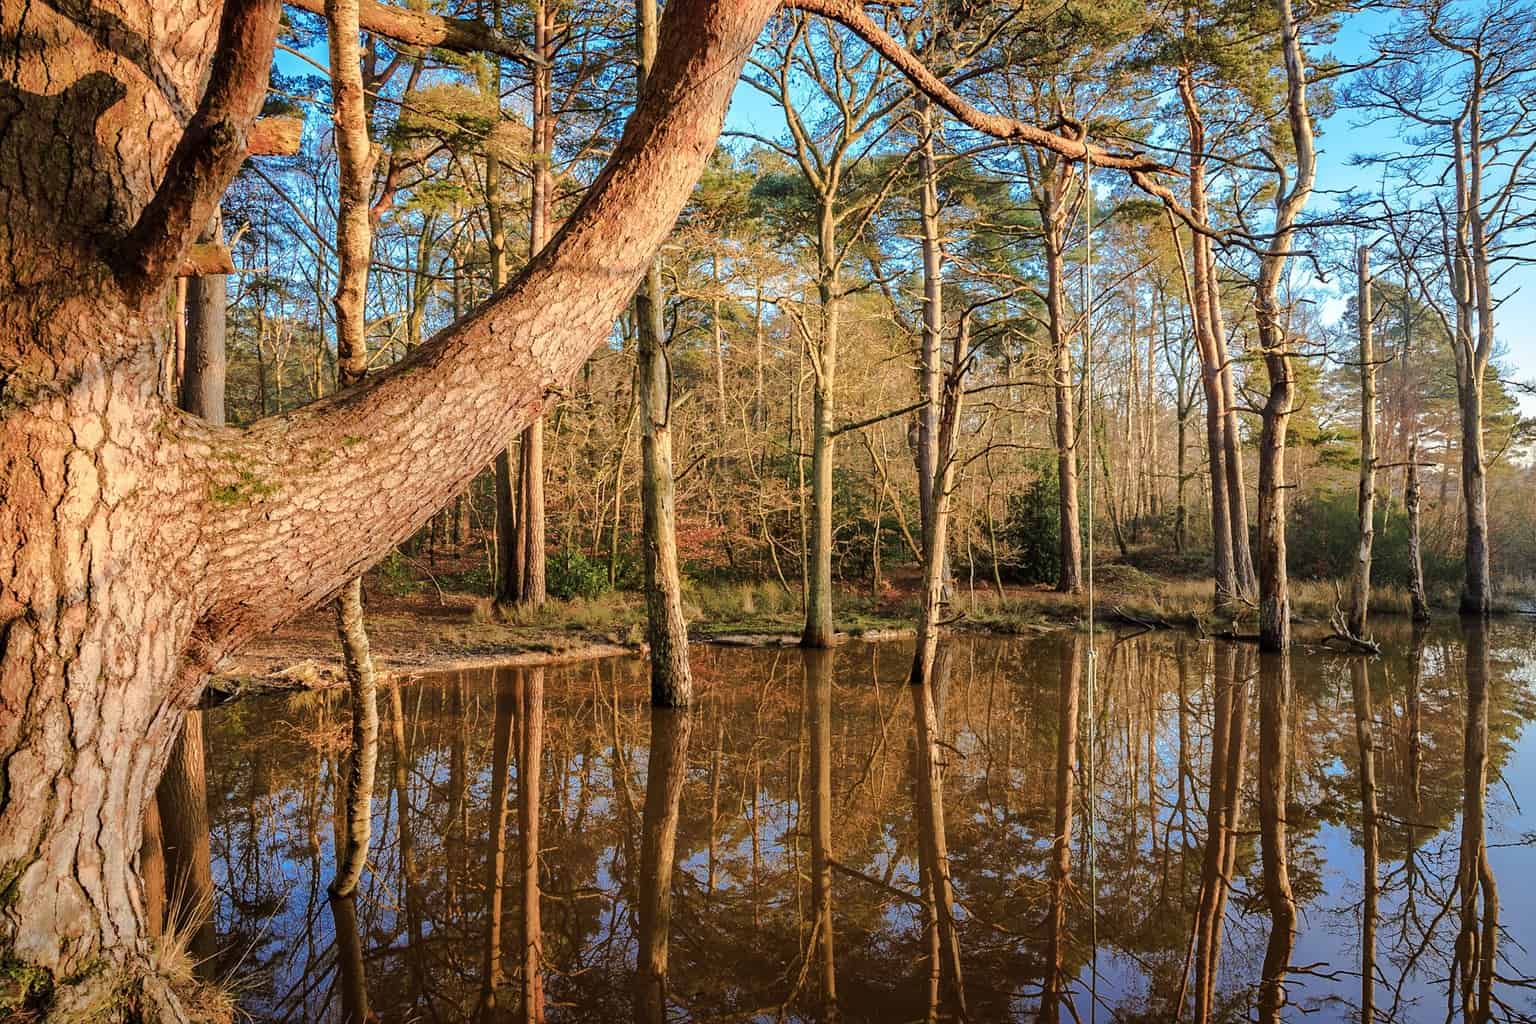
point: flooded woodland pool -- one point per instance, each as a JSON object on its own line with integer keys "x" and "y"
{"x": 819, "y": 840}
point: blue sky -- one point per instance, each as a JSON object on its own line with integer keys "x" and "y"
{"x": 1341, "y": 136}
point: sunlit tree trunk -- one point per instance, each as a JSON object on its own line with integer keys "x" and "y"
{"x": 354, "y": 241}
{"x": 1274, "y": 340}
{"x": 818, "y": 630}
{"x": 1365, "y": 502}
{"x": 930, "y": 362}
{"x": 1212, "y": 355}
{"x": 667, "y": 630}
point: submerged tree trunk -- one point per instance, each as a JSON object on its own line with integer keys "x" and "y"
{"x": 1476, "y": 953}
{"x": 932, "y": 833}
{"x": 1060, "y": 864}
{"x": 1369, "y": 833}
{"x": 493, "y": 974}
{"x": 1274, "y": 773}
{"x": 818, "y": 697}
{"x": 666, "y": 771}
{"x": 530, "y": 771}
{"x": 667, "y": 630}
{"x": 1229, "y": 734}
{"x": 1365, "y": 501}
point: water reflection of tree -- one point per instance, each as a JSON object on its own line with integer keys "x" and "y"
{"x": 746, "y": 845}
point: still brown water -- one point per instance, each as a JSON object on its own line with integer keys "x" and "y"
{"x": 819, "y": 840}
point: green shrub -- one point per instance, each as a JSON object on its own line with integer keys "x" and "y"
{"x": 395, "y": 575}
{"x": 1032, "y": 531}
{"x": 571, "y": 574}
{"x": 1322, "y": 533}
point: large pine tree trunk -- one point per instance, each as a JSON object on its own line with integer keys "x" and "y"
{"x": 1069, "y": 578}
{"x": 112, "y": 612}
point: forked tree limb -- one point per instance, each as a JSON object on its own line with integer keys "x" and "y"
{"x": 209, "y": 152}
{"x": 419, "y": 28}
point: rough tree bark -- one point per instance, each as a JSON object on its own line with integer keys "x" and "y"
{"x": 666, "y": 628}
{"x": 111, "y": 613}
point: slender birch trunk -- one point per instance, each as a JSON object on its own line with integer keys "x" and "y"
{"x": 1365, "y": 502}
{"x": 354, "y": 245}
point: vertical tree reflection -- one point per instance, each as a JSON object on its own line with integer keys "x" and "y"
{"x": 410, "y": 880}
{"x": 666, "y": 771}
{"x": 351, "y": 981}
{"x": 1223, "y": 809}
{"x": 530, "y": 686}
{"x": 493, "y": 978}
{"x": 1061, "y": 847}
{"x": 818, "y": 685}
{"x": 933, "y": 840}
{"x": 1369, "y": 834}
{"x": 1274, "y": 770}
{"x": 1477, "y": 938}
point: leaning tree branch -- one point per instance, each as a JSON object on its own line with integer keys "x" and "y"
{"x": 1140, "y": 167}
{"x": 208, "y": 154}
{"x": 419, "y": 28}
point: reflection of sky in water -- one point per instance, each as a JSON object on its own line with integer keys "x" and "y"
{"x": 743, "y": 913}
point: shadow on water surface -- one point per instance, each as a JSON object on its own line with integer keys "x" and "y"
{"x": 1271, "y": 838}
